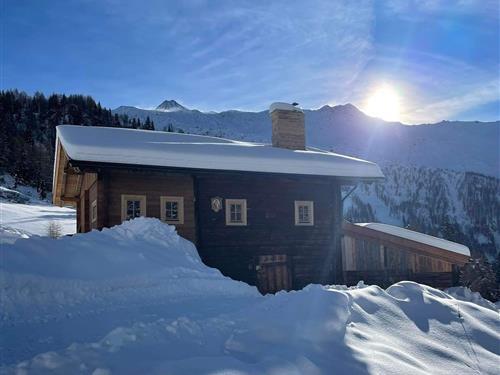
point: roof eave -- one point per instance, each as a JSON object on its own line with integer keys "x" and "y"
{"x": 343, "y": 179}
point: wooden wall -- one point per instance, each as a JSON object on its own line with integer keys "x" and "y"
{"x": 383, "y": 259}
{"x": 83, "y": 206}
{"x": 313, "y": 253}
{"x": 271, "y": 225}
{"x": 153, "y": 185}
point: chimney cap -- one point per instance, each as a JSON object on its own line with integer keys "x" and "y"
{"x": 283, "y": 107}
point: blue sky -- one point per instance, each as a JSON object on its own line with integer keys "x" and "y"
{"x": 441, "y": 57}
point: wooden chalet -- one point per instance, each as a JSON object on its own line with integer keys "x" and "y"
{"x": 384, "y": 254}
{"x": 269, "y": 215}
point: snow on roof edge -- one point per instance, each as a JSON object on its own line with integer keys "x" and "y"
{"x": 284, "y": 107}
{"x": 255, "y": 157}
{"x": 418, "y": 237}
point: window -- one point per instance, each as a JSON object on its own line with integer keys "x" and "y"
{"x": 236, "y": 212}
{"x": 93, "y": 211}
{"x": 304, "y": 213}
{"x": 133, "y": 206}
{"x": 172, "y": 209}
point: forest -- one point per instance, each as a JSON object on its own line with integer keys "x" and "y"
{"x": 28, "y": 131}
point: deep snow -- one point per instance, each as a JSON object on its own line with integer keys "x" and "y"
{"x": 137, "y": 299}
{"x": 165, "y": 149}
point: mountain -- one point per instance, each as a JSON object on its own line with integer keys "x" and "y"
{"x": 460, "y": 206}
{"x": 457, "y": 145}
{"x": 441, "y": 179}
{"x": 170, "y": 106}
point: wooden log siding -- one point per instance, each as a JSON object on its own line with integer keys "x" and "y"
{"x": 271, "y": 225}
{"x": 396, "y": 242}
{"x": 312, "y": 252}
{"x": 383, "y": 259}
{"x": 85, "y": 200}
{"x": 153, "y": 185}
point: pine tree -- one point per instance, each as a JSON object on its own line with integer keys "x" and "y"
{"x": 148, "y": 125}
{"x": 28, "y": 131}
{"x": 478, "y": 276}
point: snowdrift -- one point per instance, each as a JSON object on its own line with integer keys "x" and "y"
{"x": 209, "y": 324}
{"x": 130, "y": 263}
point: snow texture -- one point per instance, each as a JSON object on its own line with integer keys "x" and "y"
{"x": 136, "y": 298}
{"x": 417, "y": 237}
{"x": 31, "y": 218}
{"x": 283, "y": 107}
{"x": 465, "y": 294}
{"x": 142, "y": 147}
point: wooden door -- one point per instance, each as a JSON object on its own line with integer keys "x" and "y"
{"x": 273, "y": 273}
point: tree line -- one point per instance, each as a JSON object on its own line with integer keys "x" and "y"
{"x": 28, "y": 131}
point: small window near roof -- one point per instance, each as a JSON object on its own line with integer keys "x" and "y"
{"x": 133, "y": 206}
{"x": 304, "y": 213}
{"x": 236, "y": 212}
{"x": 172, "y": 209}
{"x": 93, "y": 211}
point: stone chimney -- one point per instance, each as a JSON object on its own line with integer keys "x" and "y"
{"x": 288, "y": 126}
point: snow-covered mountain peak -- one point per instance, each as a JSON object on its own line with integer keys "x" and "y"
{"x": 170, "y": 106}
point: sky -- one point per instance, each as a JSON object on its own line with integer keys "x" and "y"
{"x": 439, "y": 60}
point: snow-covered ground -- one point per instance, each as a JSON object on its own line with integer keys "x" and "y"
{"x": 33, "y": 216}
{"x": 136, "y": 298}
{"x": 33, "y": 219}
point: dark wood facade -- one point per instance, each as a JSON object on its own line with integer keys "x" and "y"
{"x": 383, "y": 259}
{"x": 270, "y": 251}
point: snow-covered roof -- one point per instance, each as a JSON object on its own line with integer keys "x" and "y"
{"x": 154, "y": 148}
{"x": 284, "y": 107}
{"x": 418, "y": 237}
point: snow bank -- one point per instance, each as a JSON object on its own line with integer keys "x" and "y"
{"x": 138, "y": 260}
{"x": 408, "y": 329}
{"x": 465, "y": 294}
{"x": 154, "y": 308}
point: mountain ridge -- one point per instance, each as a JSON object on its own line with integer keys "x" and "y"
{"x": 466, "y": 146}
{"x": 441, "y": 179}
{"x": 346, "y": 108}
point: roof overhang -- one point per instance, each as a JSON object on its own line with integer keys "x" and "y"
{"x": 90, "y": 166}
{"x": 172, "y": 150}
{"x": 419, "y": 247}
{"x": 66, "y": 181}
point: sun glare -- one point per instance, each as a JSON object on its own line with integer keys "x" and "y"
{"x": 384, "y": 103}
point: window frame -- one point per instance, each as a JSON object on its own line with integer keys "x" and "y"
{"x": 93, "y": 205}
{"x": 180, "y": 208}
{"x": 243, "y": 203}
{"x": 133, "y": 197}
{"x": 309, "y": 204}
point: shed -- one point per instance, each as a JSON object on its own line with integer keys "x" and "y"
{"x": 383, "y": 254}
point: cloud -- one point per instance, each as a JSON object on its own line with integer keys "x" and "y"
{"x": 447, "y": 108}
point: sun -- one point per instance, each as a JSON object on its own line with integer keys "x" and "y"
{"x": 384, "y": 103}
